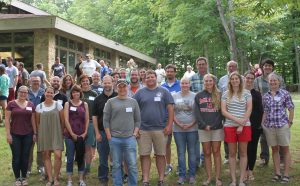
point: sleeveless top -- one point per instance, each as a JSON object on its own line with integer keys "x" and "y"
{"x": 76, "y": 119}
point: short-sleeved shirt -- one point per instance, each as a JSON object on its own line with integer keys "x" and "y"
{"x": 99, "y": 104}
{"x": 44, "y": 108}
{"x": 160, "y": 75}
{"x": 59, "y": 97}
{"x": 275, "y": 108}
{"x": 24, "y": 76}
{"x": 104, "y": 70}
{"x": 196, "y": 83}
{"x": 89, "y": 97}
{"x": 58, "y": 70}
{"x": 153, "y": 105}
{"x": 12, "y": 72}
{"x": 173, "y": 88}
{"x": 236, "y": 106}
{"x": 78, "y": 71}
{"x": 97, "y": 88}
{"x": 89, "y": 67}
{"x": 183, "y": 110}
{"x": 21, "y": 123}
{"x": 261, "y": 84}
{"x": 4, "y": 85}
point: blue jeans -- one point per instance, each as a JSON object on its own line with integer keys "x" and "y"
{"x": 186, "y": 141}
{"x": 199, "y": 154}
{"x": 20, "y": 149}
{"x": 70, "y": 150}
{"x": 124, "y": 147}
{"x": 103, "y": 151}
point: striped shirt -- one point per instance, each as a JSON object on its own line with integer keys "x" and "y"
{"x": 275, "y": 108}
{"x": 237, "y": 107}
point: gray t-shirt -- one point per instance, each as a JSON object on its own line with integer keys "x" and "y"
{"x": 121, "y": 116}
{"x": 58, "y": 70}
{"x": 153, "y": 105}
{"x": 183, "y": 110}
{"x": 12, "y": 72}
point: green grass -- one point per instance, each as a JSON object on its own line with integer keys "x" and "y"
{"x": 262, "y": 174}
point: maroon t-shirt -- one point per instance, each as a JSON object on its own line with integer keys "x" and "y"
{"x": 21, "y": 118}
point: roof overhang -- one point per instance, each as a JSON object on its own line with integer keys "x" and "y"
{"x": 31, "y": 22}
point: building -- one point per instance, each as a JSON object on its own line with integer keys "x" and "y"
{"x": 33, "y": 36}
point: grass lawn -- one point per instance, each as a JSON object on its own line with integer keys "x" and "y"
{"x": 262, "y": 174}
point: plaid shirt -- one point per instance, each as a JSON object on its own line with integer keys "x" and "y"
{"x": 196, "y": 83}
{"x": 275, "y": 108}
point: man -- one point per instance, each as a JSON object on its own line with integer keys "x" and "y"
{"x": 102, "y": 142}
{"x": 12, "y": 73}
{"x": 121, "y": 122}
{"x": 104, "y": 69}
{"x": 78, "y": 71}
{"x": 96, "y": 86}
{"x": 197, "y": 86}
{"x": 89, "y": 66}
{"x": 160, "y": 73}
{"x": 35, "y": 94}
{"x": 231, "y": 66}
{"x": 173, "y": 86}
{"x": 116, "y": 76}
{"x": 58, "y": 96}
{"x": 58, "y": 69}
{"x": 261, "y": 84}
{"x": 24, "y": 74}
{"x": 40, "y": 73}
{"x": 189, "y": 72}
{"x": 154, "y": 102}
{"x": 134, "y": 85}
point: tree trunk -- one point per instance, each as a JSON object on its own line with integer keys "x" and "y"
{"x": 230, "y": 31}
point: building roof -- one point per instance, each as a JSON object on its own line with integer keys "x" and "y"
{"x": 39, "y": 19}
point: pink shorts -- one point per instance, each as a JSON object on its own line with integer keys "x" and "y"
{"x": 231, "y": 136}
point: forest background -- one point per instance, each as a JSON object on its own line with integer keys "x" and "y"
{"x": 178, "y": 31}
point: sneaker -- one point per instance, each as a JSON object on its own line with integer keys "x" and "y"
{"x": 180, "y": 181}
{"x": 263, "y": 162}
{"x": 226, "y": 161}
{"x": 18, "y": 182}
{"x": 168, "y": 169}
{"x": 192, "y": 180}
{"x": 81, "y": 183}
{"x": 146, "y": 184}
{"x": 160, "y": 183}
{"x": 28, "y": 173}
{"x": 125, "y": 178}
{"x": 69, "y": 183}
{"x": 24, "y": 182}
{"x": 41, "y": 170}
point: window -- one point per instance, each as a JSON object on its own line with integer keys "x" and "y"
{"x": 5, "y": 38}
{"x": 23, "y": 37}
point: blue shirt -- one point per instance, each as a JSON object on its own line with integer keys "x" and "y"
{"x": 173, "y": 88}
{"x": 104, "y": 70}
{"x": 36, "y": 99}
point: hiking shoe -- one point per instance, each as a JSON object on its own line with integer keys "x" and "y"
{"x": 168, "y": 169}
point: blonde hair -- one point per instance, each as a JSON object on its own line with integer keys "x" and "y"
{"x": 230, "y": 88}
{"x": 215, "y": 94}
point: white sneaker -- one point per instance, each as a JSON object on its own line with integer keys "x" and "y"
{"x": 226, "y": 161}
{"x": 81, "y": 183}
{"x": 69, "y": 183}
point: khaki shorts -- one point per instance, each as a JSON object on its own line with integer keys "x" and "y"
{"x": 156, "y": 138}
{"x": 212, "y": 135}
{"x": 278, "y": 136}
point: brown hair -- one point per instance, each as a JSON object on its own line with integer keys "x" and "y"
{"x": 64, "y": 87}
{"x": 76, "y": 88}
{"x": 230, "y": 88}
{"x": 148, "y": 72}
{"x": 171, "y": 66}
{"x": 201, "y": 59}
{"x": 83, "y": 76}
{"x": 216, "y": 94}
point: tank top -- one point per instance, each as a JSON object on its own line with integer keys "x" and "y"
{"x": 76, "y": 119}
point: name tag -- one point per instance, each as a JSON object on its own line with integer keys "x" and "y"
{"x": 276, "y": 98}
{"x": 29, "y": 108}
{"x": 73, "y": 108}
{"x": 157, "y": 98}
{"x": 100, "y": 89}
{"x": 91, "y": 98}
{"x": 60, "y": 101}
{"x": 179, "y": 100}
{"x": 129, "y": 109}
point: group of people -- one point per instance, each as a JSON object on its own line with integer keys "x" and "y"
{"x": 116, "y": 112}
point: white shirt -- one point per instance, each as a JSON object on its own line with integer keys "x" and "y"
{"x": 89, "y": 67}
{"x": 188, "y": 74}
{"x": 160, "y": 73}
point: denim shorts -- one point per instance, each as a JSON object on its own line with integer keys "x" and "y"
{"x": 3, "y": 98}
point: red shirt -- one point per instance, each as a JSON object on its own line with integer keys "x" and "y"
{"x": 20, "y": 123}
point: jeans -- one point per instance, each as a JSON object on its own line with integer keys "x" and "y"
{"x": 124, "y": 147}
{"x": 70, "y": 148}
{"x": 20, "y": 149}
{"x": 186, "y": 141}
{"x": 199, "y": 154}
{"x": 103, "y": 151}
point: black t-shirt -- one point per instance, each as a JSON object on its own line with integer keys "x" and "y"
{"x": 78, "y": 71}
{"x": 60, "y": 98}
{"x": 99, "y": 104}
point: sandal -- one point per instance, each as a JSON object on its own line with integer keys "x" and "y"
{"x": 276, "y": 178}
{"x": 218, "y": 182}
{"x": 206, "y": 183}
{"x": 285, "y": 179}
{"x": 56, "y": 183}
{"x": 49, "y": 183}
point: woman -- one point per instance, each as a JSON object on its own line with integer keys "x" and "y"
{"x": 276, "y": 125}
{"x": 76, "y": 120}
{"x": 49, "y": 119}
{"x": 255, "y": 120}
{"x": 236, "y": 106}
{"x": 142, "y": 73}
{"x": 185, "y": 131}
{"x": 90, "y": 142}
{"x": 4, "y": 86}
{"x": 209, "y": 119}
{"x": 20, "y": 133}
{"x": 67, "y": 83}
